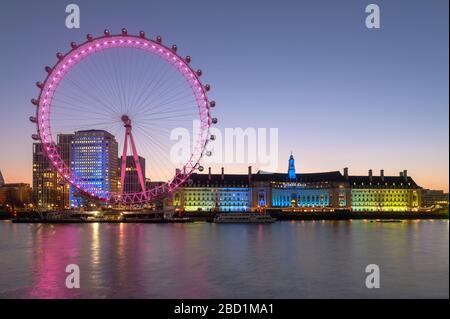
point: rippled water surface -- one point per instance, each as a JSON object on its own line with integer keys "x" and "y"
{"x": 309, "y": 259}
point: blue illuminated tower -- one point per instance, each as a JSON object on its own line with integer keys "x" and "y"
{"x": 94, "y": 160}
{"x": 291, "y": 170}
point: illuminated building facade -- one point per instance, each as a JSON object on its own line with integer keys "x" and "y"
{"x": 214, "y": 192}
{"x": 94, "y": 162}
{"x": 50, "y": 191}
{"x": 327, "y": 191}
{"x": 47, "y": 185}
{"x": 384, "y": 193}
{"x": 310, "y": 190}
{"x": 65, "y": 150}
{"x": 131, "y": 181}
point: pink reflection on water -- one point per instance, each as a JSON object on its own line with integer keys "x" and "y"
{"x": 55, "y": 248}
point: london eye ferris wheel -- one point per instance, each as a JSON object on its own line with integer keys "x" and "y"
{"x": 137, "y": 89}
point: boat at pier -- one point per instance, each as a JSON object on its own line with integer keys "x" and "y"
{"x": 244, "y": 218}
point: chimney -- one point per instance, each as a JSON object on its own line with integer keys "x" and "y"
{"x": 370, "y": 175}
{"x": 223, "y": 173}
{"x": 249, "y": 174}
{"x": 382, "y": 174}
{"x": 209, "y": 173}
{"x": 346, "y": 172}
{"x": 405, "y": 175}
{"x": 401, "y": 174}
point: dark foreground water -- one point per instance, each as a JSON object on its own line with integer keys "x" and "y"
{"x": 310, "y": 259}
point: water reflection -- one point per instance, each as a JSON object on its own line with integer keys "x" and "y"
{"x": 302, "y": 259}
{"x": 54, "y": 248}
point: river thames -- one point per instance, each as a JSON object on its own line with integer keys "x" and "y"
{"x": 301, "y": 259}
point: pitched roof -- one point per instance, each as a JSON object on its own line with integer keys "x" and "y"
{"x": 333, "y": 176}
{"x": 241, "y": 180}
{"x": 378, "y": 181}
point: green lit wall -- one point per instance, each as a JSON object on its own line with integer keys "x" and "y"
{"x": 231, "y": 199}
{"x": 391, "y": 199}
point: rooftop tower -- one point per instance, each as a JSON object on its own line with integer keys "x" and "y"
{"x": 291, "y": 170}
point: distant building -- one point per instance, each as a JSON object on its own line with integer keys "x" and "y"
{"x": 94, "y": 163}
{"x": 2, "y": 181}
{"x": 433, "y": 198}
{"x": 324, "y": 191}
{"x": 15, "y": 194}
{"x": 131, "y": 182}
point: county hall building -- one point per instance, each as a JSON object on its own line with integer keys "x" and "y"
{"x": 324, "y": 191}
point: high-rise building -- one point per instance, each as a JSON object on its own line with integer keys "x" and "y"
{"x": 94, "y": 162}
{"x": 47, "y": 189}
{"x": 65, "y": 151}
{"x": 131, "y": 181}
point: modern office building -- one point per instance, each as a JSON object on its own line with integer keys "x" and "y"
{"x": 324, "y": 191}
{"x": 94, "y": 163}
{"x": 131, "y": 182}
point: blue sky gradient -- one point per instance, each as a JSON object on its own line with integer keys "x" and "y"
{"x": 340, "y": 94}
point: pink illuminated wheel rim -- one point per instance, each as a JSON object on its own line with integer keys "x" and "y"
{"x": 68, "y": 103}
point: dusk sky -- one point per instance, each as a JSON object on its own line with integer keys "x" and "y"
{"x": 340, "y": 94}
